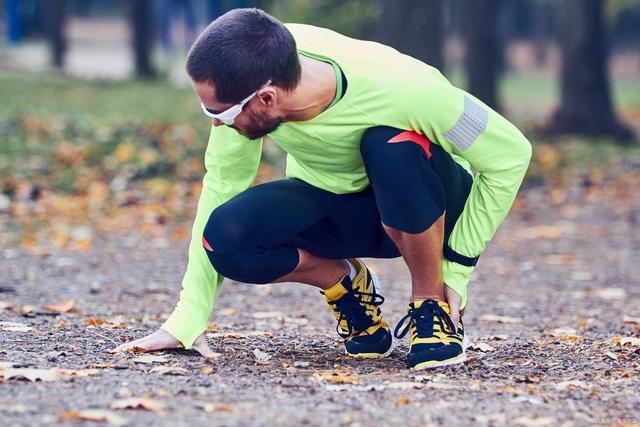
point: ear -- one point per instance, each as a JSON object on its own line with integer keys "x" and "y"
{"x": 268, "y": 96}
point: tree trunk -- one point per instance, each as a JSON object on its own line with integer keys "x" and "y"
{"x": 585, "y": 102}
{"x": 483, "y": 53}
{"x": 140, "y": 17}
{"x": 54, "y": 22}
{"x": 414, "y": 27}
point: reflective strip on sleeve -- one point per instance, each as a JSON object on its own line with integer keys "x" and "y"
{"x": 469, "y": 126}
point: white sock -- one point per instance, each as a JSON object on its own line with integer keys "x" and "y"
{"x": 352, "y": 270}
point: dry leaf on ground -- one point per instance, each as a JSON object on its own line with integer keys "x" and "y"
{"x": 499, "y": 319}
{"x": 534, "y": 422}
{"x": 631, "y": 341}
{"x": 218, "y": 407}
{"x": 609, "y": 293}
{"x": 150, "y": 358}
{"x": 63, "y": 306}
{"x": 15, "y": 327}
{"x": 340, "y": 377}
{"x": 261, "y": 356}
{"x": 481, "y": 347}
{"x": 94, "y": 415}
{"x": 169, "y": 370}
{"x": 140, "y": 403}
{"x": 31, "y": 374}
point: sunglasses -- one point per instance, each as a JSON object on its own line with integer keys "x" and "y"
{"x": 229, "y": 115}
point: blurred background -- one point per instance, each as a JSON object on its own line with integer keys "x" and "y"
{"x": 101, "y": 133}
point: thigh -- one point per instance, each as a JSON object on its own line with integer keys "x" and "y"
{"x": 265, "y": 215}
{"x": 292, "y": 213}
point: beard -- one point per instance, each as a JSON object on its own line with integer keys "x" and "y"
{"x": 259, "y": 125}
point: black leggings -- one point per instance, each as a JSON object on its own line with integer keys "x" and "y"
{"x": 254, "y": 236}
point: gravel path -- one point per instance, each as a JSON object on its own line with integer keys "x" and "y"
{"x": 553, "y": 316}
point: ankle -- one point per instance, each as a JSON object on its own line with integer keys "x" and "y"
{"x": 423, "y": 297}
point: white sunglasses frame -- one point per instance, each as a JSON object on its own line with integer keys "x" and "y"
{"x": 229, "y": 115}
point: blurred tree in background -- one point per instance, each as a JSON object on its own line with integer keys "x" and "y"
{"x": 482, "y": 49}
{"x": 414, "y": 27}
{"x": 54, "y": 23}
{"x": 585, "y": 102}
{"x": 141, "y": 21}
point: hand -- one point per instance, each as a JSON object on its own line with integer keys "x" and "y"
{"x": 454, "y": 300}
{"x": 162, "y": 340}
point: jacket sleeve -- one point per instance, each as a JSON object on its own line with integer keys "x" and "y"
{"x": 500, "y": 155}
{"x": 231, "y": 162}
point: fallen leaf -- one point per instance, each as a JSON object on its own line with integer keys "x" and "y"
{"x": 218, "y": 407}
{"x": 341, "y": 377}
{"x": 559, "y": 332}
{"x": 150, "y": 358}
{"x": 614, "y": 356}
{"x": 300, "y": 364}
{"x": 15, "y": 408}
{"x": 95, "y": 322}
{"x": 534, "y": 422}
{"x": 77, "y": 372}
{"x": 582, "y": 276}
{"x": 631, "y": 320}
{"x": 140, "y": 403}
{"x": 241, "y": 334}
{"x": 267, "y": 314}
{"x": 403, "y": 401}
{"x": 499, "y": 319}
{"x": 609, "y": 293}
{"x": 571, "y": 338}
{"x": 481, "y": 347}
{"x": 26, "y": 309}
{"x": 169, "y": 370}
{"x": 94, "y": 415}
{"x": 633, "y": 341}
{"x": 559, "y": 259}
{"x": 261, "y": 357}
{"x": 510, "y": 389}
{"x": 15, "y": 327}
{"x": 227, "y": 312}
{"x": 63, "y": 306}
{"x": 207, "y": 370}
{"x": 124, "y": 392}
{"x": 31, "y": 374}
{"x": 543, "y": 232}
{"x": 572, "y": 385}
{"x": 490, "y": 419}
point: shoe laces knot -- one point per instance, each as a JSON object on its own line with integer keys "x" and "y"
{"x": 424, "y": 318}
{"x": 356, "y": 311}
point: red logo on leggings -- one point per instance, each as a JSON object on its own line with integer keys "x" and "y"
{"x": 411, "y": 136}
{"x": 206, "y": 245}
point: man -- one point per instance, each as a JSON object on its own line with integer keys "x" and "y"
{"x": 380, "y": 149}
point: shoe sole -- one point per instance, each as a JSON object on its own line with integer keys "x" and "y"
{"x": 462, "y": 357}
{"x": 376, "y": 285}
{"x": 373, "y": 355}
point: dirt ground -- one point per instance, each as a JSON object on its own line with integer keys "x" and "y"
{"x": 553, "y": 316}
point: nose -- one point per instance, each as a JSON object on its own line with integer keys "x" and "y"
{"x": 217, "y": 122}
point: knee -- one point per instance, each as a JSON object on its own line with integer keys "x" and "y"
{"x": 375, "y": 137}
{"x": 225, "y": 231}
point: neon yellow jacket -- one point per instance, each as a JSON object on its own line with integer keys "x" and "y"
{"x": 385, "y": 87}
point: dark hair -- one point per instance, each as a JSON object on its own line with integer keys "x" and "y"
{"x": 240, "y": 51}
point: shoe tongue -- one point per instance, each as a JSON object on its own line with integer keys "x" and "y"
{"x": 338, "y": 290}
{"x": 418, "y": 303}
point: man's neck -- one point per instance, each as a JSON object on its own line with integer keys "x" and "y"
{"x": 314, "y": 93}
